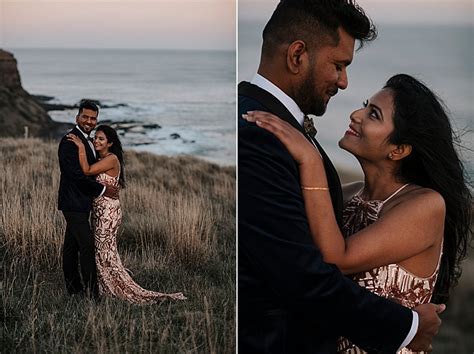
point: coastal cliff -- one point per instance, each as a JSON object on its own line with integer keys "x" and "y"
{"x": 18, "y": 109}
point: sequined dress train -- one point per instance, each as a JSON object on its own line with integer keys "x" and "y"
{"x": 113, "y": 278}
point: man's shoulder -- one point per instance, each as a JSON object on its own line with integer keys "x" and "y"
{"x": 70, "y": 131}
{"x": 256, "y": 141}
{"x": 249, "y": 95}
{"x": 64, "y": 141}
{"x": 247, "y": 103}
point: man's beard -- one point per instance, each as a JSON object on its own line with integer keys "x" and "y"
{"x": 307, "y": 99}
{"x": 86, "y": 130}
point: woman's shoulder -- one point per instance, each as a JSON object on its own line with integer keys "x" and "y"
{"x": 113, "y": 159}
{"x": 423, "y": 194}
{"x": 421, "y": 210}
{"x": 415, "y": 197}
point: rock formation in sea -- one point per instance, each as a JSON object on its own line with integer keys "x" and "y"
{"x": 19, "y": 109}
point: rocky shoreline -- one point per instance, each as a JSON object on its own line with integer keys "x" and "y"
{"x": 123, "y": 127}
{"x": 43, "y": 101}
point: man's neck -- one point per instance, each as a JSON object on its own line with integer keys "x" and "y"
{"x": 85, "y": 134}
{"x": 269, "y": 74}
{"x": 269, "y": 86}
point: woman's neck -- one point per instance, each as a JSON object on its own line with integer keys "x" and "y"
{"x": 380, "y": 181}
{"x": 104, "y": 153}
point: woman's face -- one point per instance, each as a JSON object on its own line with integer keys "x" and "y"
{"x": 101, "y": 142}
{"x": 370, "y": 127}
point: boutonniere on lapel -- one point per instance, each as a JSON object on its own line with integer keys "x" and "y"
{"x": 308, "y": 126}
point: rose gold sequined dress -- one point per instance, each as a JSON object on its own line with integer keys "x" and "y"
{"x": 112, "y": 276}
{"x": 389, "y": 281}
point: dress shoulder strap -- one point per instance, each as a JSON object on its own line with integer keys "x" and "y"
{"x": 395, "y": 193}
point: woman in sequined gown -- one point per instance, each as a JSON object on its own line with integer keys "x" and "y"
{"x": 405, "y": 229}
{"x": 113, "y": 278}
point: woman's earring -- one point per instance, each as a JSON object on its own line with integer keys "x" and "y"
{"x": 390, "y": 156}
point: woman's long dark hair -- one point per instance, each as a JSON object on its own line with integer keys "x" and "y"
{"x": 116, "y": 148}
{"x": 421, "y": 121}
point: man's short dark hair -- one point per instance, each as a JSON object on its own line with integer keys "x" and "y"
{"x": 316, "y": 23}
{"x": 88, "y": 104}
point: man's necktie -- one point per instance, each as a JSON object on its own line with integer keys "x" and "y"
{"x": 308, "y": 127}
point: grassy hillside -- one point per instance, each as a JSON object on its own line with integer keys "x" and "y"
{"x": 177, "y": 234}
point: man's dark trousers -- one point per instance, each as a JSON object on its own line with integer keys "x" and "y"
{"x": 79, "y": 239}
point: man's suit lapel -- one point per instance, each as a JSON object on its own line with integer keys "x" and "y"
{"x": 90, "y": 155}
{"x": 276, "y": 107}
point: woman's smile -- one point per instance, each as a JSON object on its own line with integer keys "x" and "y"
{"x": 352, "y": 131}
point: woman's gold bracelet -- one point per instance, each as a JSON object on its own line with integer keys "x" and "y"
{"x": 314, "y": 188}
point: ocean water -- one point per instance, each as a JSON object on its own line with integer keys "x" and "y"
{"x": 441, "y": 56}
{"x": 190, "y": 93}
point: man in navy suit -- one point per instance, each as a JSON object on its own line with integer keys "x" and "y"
{"x": 290, "y": 301}
{"x": 76, "y": 192}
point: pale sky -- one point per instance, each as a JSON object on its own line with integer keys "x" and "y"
{"x": 177, "y": 24}
{"x": 386, "y": 11}
{"x": 147, "y": 24}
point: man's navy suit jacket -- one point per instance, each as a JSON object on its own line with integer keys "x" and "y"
{"x": 76, "y": 190}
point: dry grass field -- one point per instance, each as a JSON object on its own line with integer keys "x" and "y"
{"x": 178, "y": 234}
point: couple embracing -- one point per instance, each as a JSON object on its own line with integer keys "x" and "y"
{"x": 92, "y": 173}
{"x": 351, "y": 269}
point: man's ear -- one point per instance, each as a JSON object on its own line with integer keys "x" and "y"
{"x": 296, "y": 56}
{"x": 400, "y": 152}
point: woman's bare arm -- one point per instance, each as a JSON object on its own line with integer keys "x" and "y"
{"x": 102, "y": 166}
{"x": 406, "y": 230}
